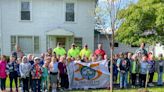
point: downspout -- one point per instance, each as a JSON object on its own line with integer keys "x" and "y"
{"x": 1, "y": 32}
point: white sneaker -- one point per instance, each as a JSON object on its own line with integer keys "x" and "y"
{"x": 70, "y": 88}
{"x": 85, "y": 88}
{"x": 54, "y": 90}
{"x": 46, "y": 90}
{"x": 150, "y": 84}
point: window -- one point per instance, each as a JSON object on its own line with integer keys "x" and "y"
{"x": 115, "y": 44}
{"x": 28, "y": 44}
{"x": 135, "y": 46}
{"x": 36, "y": 44}
{"x": 25, "y": 10}
{"x": 13, "y": 43}
{"x": 78, "y": 42}
{"x": 70, "y": 12}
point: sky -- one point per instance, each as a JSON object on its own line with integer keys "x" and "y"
{"x": 102, "y": 4}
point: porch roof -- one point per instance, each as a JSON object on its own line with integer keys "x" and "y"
{"x": 59, "y": 32}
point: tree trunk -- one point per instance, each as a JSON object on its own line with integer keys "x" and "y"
{"x": 111, "y": 63}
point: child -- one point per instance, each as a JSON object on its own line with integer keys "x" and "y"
{"x": 12, "y": 71}
{"x": 19, "y": 60}
{"x": 151, "y": 63}
{"x": 143, "y": 70}
{"x": 115, "y": 71}
{"x": 36, "y": 73}
{"x": 123, "y": 68}
{"x": 24, "y": 69}
{"x": 3, "y": 74}
{"x": 31, "y": 61}
{"x": 134, "y": 70}
{"x": 63, "y": 73}
{"x": 160, "y": 66}
{"x": 53, "y": 74}
{"x": 44, "y": 79}
{"x": 70, "y": 63}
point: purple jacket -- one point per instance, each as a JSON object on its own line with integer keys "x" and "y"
{"x": 3, "y": 69}
{"x": 151, "y": 66}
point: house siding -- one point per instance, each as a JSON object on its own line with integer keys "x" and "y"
{"x": 46, "y": 15}
{"x": 121, "y": 47}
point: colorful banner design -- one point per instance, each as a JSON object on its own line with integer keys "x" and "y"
{"x": 88, "y": 75}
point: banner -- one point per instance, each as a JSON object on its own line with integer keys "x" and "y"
{"x": 88, "y": 75}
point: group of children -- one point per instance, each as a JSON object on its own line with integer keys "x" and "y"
{"x": 49, "y": 71}
{"x": 137, "y": 69}
{"x": 39, "y": 74}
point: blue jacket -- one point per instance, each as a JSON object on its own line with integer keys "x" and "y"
{"x": 12, "y": 69}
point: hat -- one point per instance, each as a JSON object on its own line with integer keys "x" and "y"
{"x": 36, "y": 58}
{"x": 73, "y": 44}
{"x": 86, "y": 45}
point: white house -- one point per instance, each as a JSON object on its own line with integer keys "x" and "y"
{"x": 120, "y": 47}
{"x": 36, "y": 25}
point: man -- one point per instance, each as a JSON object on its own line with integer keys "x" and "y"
{"x": 73, "y": 52}
{"x": 142, "y": 49}
{"x": 100, "y": 51}
{"x": 59, "y": 50}
{"x": 85, "y": 52}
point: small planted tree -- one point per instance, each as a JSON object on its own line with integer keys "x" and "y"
{"x": 107, "y": 22}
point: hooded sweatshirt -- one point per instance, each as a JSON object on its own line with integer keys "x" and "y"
{"x": 3, "y": 69}
{"x": 24, "y": 69}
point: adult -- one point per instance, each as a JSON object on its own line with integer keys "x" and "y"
{"x": 73, "y": 52}
{"x": 85, "y": 52}
{"x": 49, "y": 52}
{"x": 59, "y": 50}
{"x": 18, "y": 53}
{"x": 142, "y": 49}
{"x": 100, "y": 51}
{"x": 42, "y": 57}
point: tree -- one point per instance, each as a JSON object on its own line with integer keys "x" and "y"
{"x": 142, "y": 22}
{"x": 106, "y": 17}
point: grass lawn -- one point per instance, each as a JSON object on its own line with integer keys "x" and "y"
{"x": 154, "y": 89}
{"x": 157, "y": 89}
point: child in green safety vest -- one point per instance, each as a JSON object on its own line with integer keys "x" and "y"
{"x": 134, "y": 69}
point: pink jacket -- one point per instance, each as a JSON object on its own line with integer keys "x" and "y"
{"x": 3, "y": 69}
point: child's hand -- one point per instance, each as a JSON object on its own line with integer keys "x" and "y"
{"x": 122, "y": 71}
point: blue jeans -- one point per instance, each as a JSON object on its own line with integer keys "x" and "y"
{"x": 16, "y": 82}
{"x": 36, "y": 85}
{"x": 160, "y": 76}
{"x": 123, "y": 79}
{"x": 3, "y": 83}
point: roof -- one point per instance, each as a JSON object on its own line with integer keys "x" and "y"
{"x": 59, "y": 32}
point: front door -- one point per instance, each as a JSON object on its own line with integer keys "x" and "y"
{"x": 62, "y": 40}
